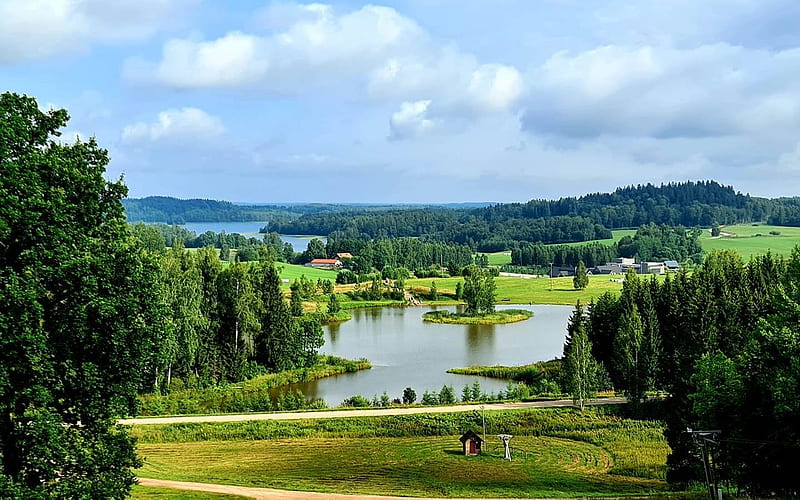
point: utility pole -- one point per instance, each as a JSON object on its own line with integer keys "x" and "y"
{"x": 551, "y": 276}
{"x": 703, "y": 440}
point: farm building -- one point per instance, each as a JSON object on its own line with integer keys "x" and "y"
{"x": 344, "y": 255}
{"x": 325, "y": 264}
{"x": 471, "y": 443}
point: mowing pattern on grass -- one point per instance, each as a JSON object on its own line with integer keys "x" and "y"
{"x": 557, "y": 452}
{"x": 495, "y": 318}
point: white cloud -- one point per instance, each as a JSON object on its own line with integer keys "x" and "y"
{"x": 708, "y": 91}
{"x": 372, "y": 52}
{"x": 411, "y": 121}
{"x": 186, "y": 124}
{"x": 36, "y": 29}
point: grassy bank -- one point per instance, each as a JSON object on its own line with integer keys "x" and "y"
{"x": 250, "y": 395}
{"x": 557, "y": 452}
{"x": 495, "y": 318}
{"x": 528, "y": 374}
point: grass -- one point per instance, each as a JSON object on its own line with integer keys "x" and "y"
{"x": 294, "y": 271}
{"x": 534, "y": 290}
{"x": 557, "y": 452}
{"x": 616, "y": 235}
{"x": 524, "y": 373}
{"x": 753, "y": 239}
{"x": 495, "y": 318}
{"x": 499, "y": 258}
{"x": 250, "y": 395}
{"x": 150, "y": 493}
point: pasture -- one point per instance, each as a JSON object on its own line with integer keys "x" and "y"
{"x": 752, "y": 239}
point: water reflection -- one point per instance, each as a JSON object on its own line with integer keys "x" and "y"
{"x": 407, "y": 352}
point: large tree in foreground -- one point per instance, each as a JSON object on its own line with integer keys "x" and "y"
{"x": 80, "y": 314}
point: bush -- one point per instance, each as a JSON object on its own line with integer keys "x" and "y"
{"x": 357, "y": 401}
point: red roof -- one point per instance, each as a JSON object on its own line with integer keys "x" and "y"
{"x": 325, "y": 261}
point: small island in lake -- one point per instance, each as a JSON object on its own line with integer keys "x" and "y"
{"x": 493, "y": 318}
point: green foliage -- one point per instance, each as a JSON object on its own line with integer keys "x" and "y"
{"x": 495, "y": 318}
{"x": 81, "y": 314}
{"x": 479, "y": 291}
{"x": 333, "y": 304}
{"x": 581, "y": 278}
{"x": 243, "y": 396}
{"x": 581, "y": 369}
{"x": 409, "y": 396}
{"x": 446, "y": 395}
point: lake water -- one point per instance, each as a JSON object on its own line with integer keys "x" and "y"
{"x": 246, "y": 229}
{"x": 407, "y": 352}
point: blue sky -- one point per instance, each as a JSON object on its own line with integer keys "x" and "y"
{"x": 418, "y": 100}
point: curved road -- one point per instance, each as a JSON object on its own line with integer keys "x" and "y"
{"x": 315, "y": 415}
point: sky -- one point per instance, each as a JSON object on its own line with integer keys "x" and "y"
{"x": 417, "y": 100}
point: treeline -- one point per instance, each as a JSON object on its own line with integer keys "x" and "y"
{"x": 228, "y": 324}
{"x": 651, "y": 242}
{"x": 503, "y": 226}
{"x": 703, "y": 203}
{"x": 723, "y": 343}
{"x": 176, "y": 211}
{"x": 410, "y": 253}
{"x": 446, "y": 226}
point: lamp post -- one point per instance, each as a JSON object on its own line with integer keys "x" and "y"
{"x": 550, "y": 277}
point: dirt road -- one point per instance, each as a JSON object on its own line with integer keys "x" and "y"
{"x": 314, "y": 415}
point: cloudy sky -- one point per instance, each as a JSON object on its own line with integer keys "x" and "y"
{"x": 418, "y": 100}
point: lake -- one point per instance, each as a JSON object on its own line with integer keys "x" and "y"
{"x": 407, "y": 352}
{"x": 299, "y": 243}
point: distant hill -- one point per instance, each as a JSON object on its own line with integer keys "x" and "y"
{"x": 571, "y": 219}
{"x": 177, "y": 211}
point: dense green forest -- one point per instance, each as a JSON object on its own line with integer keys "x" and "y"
{"x": 651, "y": 242}
{"x": 723, "y": 343}
{"x": 590, "y": 217}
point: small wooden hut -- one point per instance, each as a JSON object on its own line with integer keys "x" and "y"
{"x": 471, "y": 443}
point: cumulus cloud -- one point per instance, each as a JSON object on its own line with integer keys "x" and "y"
{"x": 186, "y": 124}
{"x": 373, "y": 51}
{"x": 318, "y": 43}
{"x": 708, "y": 91}
{"x": 35, "y": 29}
{"x": 411, "y": 121}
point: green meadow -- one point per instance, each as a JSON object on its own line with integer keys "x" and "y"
{"x": 556, "y": 453}
{"x": 753, "y": 239}
{"x": 150, "y": 493}
{"x": 534, "y": 290}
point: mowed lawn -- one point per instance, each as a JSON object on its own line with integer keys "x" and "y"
{"x": 430, "y": 466}
{"x": 533, "y": 290}
{"x": 749, "y": 239}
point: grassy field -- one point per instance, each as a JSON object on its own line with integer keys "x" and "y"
{"x": 557, "y": 452}
{"x": 753, "y": 239}
{"x": 148, "y": 493}
{"x": 534, "y": 290}
{"x": 294, "y": 271}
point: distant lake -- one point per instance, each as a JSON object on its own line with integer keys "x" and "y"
{"x": 405, "y": 351}
{"x": 246, "y": 229}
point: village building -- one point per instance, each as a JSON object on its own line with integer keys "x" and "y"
{"x": 344, "y": 255}
{"x": 471, "y": 443}
{"x": 325, "y": 264}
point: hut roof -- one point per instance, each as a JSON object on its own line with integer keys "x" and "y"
{"x": 470, "y": 435}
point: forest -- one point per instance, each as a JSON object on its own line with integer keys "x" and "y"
{"x": 722, "y": 343}
{"x": 590, "y": 217}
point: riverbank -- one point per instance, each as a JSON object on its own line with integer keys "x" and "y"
{"x": 248, "y": 396}
{"x": 496, "y": 318}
